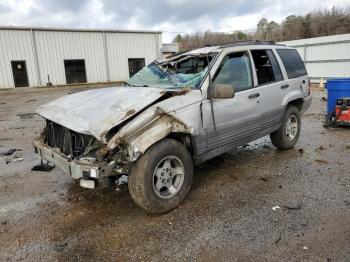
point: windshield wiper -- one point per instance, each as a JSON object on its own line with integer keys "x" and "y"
{"x": 126, "y": 83}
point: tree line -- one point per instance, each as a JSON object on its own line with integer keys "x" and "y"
{"x": 314, "y": 24}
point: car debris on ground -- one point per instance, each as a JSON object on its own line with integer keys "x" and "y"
{"x": 8, "y": 152}
{"x": 293, "y": 206}
{"x": 43, "y": 167}
{"x": 26, "y": 115}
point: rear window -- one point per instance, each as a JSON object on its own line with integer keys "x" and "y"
{"x": 292, "y": 62}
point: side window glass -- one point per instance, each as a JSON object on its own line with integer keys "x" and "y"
{"x": 275, "y": 66}
{"x": 235, "y": 70}
{"x": 292, "y": 63}
{"x": 266, "y": 66}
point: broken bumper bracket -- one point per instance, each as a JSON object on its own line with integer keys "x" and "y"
{"x": 76, "y": 169}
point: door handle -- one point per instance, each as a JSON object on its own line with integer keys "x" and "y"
{"x": 255, "y": 95}
{"x": 285, "y": 86}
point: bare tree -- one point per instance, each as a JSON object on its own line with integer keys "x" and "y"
{"x": 317, "y": 23}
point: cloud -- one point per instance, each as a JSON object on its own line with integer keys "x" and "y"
{"x": 171, "y": 16}
{"x": 157, "y": 11}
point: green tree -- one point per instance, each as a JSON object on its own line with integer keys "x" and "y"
{"x": 177, "y": 39}
{"x": 241, "y": 35}
{"x": 270, "y": 28}
{"x": 265, "y": 28}
{"x": 261, "y": 27}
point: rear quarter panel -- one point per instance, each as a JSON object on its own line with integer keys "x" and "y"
{"x": 298, "y": 87}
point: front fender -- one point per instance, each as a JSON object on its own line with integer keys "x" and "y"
{"x": 147, "y": 129}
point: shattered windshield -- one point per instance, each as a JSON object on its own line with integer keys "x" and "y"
{"x": 186, "y": 72}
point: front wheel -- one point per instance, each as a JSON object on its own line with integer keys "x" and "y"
{"x": 287, "y": 135}
{"x": 160, "y": 180}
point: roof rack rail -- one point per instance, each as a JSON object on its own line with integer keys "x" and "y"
{"x": 209, "y": 45}
{"x": 249, "y": 42}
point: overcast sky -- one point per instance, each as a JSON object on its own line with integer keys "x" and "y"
{"x": 170, "y": 16}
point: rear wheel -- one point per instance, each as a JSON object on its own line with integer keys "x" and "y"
{"x": 287, "y": 135}
{"x": 160, "y": 180}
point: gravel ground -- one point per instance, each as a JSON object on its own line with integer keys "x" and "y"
{"x": 231, "y": 214}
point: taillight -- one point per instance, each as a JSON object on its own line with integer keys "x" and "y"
{"x": 309, "y": 87}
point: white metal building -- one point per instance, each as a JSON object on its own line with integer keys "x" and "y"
{"x": 29, "y": 56}
{"x": 325, "y": 57}
{"x": 170, "y": 49}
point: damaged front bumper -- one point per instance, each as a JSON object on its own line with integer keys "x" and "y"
{"x": 88, "y": 174}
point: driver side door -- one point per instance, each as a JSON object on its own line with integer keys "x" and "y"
{"x": 237, "y": 119}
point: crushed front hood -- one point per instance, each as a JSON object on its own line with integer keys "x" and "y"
{"x": 95, "y": 112}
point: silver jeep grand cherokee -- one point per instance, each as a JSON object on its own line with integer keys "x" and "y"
{"x": 176, "y": 113}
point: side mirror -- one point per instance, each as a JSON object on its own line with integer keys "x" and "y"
{"x": 223, "y": 91}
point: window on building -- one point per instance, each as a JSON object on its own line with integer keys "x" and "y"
{"x": 135, "y": 65}
{"x": 292, "y": 62}
{"x": 75, "y": 71}
{"x": 235, "y": 70}
{"x": 266, "y": 66}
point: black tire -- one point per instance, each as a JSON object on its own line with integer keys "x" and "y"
{"x": 279, "y": 138}
{"x": 141, "y": 178}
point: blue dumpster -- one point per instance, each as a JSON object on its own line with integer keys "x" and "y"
{"x": 336, "y": 88}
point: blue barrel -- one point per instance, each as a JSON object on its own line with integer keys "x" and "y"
{"x": 336, "y": 88}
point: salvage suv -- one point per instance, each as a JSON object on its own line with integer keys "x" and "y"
{"x": 173, "y": 114}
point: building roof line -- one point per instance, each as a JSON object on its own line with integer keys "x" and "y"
{"x": 92, "y": 30}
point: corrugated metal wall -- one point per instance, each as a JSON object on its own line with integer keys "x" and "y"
{"x": 45, "y": 50}
{"x": 324, "y": 57}
{"x": 15, "y": 45}
{"x": 54, "y": 47}
{"x": 120, "y": 47}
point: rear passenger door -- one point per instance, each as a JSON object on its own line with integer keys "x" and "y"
{"x": 272, "y": 88}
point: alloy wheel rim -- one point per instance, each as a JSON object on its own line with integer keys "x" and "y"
{"x": 168, "y": 177}
{"x": 292, "y": 127}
